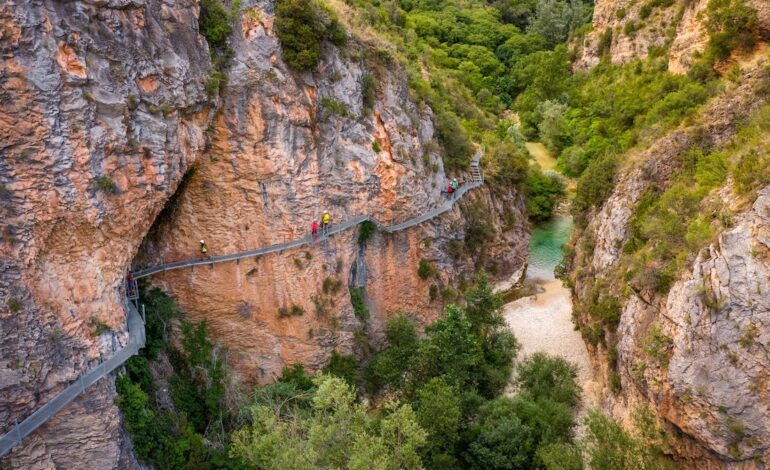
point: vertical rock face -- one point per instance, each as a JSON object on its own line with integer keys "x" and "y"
{"x": 285, "y": 148}
{"x": 627, "y": 30}
{"x": 712, "y": 324}
{"x": 102, "y": 111}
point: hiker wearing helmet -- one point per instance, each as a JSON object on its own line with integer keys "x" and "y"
{"x": 454, "y": 187}
{"x": 204, "y": 248}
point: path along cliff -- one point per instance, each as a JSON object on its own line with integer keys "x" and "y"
{"x": 110, "y": 132}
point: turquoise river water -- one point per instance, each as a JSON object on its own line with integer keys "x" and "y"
{"x": 545, "y": 247}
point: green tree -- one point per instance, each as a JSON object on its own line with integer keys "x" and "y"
{"x": 544, "y": 191}
{"x": 437, "y": 406}
{"x": 608, "y": 445}
{"x": 451, "y": 349}
{"x": 549, "y": 377}
{"x": 389, "y": 367}
{"x": 336, "y": 433}
{"x": 499, "y": 439}
{"x": 555, "y": 19}
{"x": 731, "y": 25}
{"x": 552, "y": 125}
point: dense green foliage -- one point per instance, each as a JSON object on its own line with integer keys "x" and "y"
{"x": 325, "y": 427}
{"x": 463, "y": 60}
{"x": 176, "y": 438}
{"x": 454, "y": 376}
{"x": 437, "y": 403}
{"x": 425, "y": 269}
{"x": 302, "y": 25}
{"x": 215, "y": 23}
{"x": 608, "y": 110}
{"x": 366, "y": 231}
{"x": 608, "y": 445}
{"x": 670, "y": 226}
{"x": 732, "y": 26}
{"x": 358, "y": 301}
{"x": 543, "y": 189}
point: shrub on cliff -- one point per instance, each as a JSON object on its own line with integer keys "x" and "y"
{"x": 214, "y": 23}
{"x": 593, "y": 187}
{"x": 366, "y": 231}
{"x": 301, "y": 26}
{"x": 368, "y": 87}
{"x": 425, "y": 270}
{"x": 453, "y": 138}
{"x": 731, "y": 25}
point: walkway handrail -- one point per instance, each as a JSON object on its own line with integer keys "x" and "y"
{"x": 307, "y": 240}
{"x": 136, "y": 340}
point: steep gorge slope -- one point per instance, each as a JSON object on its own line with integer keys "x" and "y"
{"x": 279, "y": 158}
{"x": 630, "y": 29}
{"x": 693, "y": 348}
{"x": 105, "y": 110}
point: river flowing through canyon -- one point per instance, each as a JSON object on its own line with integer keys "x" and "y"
{"x": 543, "y": 322}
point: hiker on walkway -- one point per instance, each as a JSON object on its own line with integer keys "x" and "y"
{"x": 132, "y": 291}
{"x": 314, "y": 229}
{"x": 450, "y": 191}
{"x": 204, "y": 249}
{"x": 454, "y": 187}
{"x": 326, "y": 219}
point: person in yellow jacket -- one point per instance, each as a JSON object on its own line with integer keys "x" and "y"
{"x": 325, "y": 219}
{"x": 204, "y": 249}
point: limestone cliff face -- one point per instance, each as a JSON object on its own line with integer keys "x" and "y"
{"x": 103, "y": 108}
{"x": 288, "y": 146}
{"x": 104, "y": 111}
{"x": 630, "y": 29}
{"x": 712, "y": 391}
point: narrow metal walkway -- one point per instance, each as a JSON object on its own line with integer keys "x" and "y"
{"x": 478, "y": 180}
{"x": 136, "y": 339}
{"x": 136, "y": 333}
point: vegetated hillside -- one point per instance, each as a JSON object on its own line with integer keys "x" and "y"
{"x": 677, "y": 29}
{"x": 432, "y": 400}
{"x": 669, "y": 264}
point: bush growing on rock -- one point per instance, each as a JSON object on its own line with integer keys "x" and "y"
{"x": 731, "y": 25}
{"x": 368, "y": 87}
{"x": 301, "y": 26}
{"x": 214, "y": 22}
{"x": 366, "y": 231}
{"x": 425, "y": 270}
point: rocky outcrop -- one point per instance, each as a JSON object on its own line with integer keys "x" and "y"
{"x": 103, "y": 109}
{"x": 708, "y": 331}
{"x": 627, "y": 30}
{"x": 289, "y": 146}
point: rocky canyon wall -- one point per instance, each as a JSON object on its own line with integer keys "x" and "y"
{"x": 696, "y": 354}
{"x": 630, "y": 29}
{"x": 105, "y": 114}
{"x": 103, "y": 109}
{"x": 288, "y": 146}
